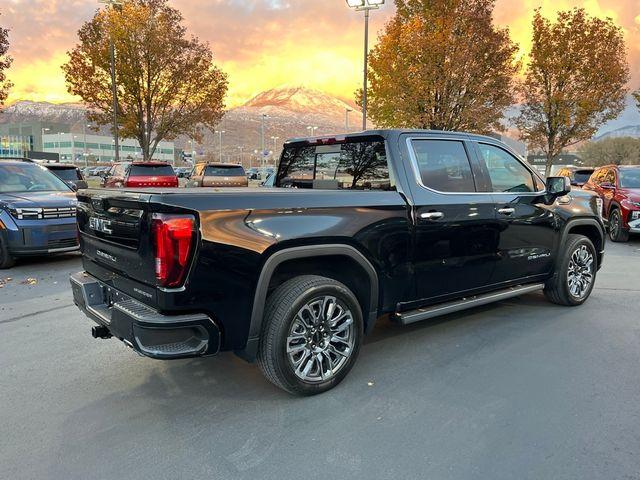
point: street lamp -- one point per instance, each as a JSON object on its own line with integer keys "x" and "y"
{"x": 220, "y": 132}
{"x": 114, "y": 4}
{"x": 262, "y": 151}
{"x": 365, "y": 6}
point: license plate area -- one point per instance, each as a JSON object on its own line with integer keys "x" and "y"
{"x": 635, "y": 215}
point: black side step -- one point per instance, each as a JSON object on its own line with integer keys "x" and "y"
{"x": 413, "y": 316}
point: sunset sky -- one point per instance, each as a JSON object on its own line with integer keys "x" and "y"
{"x": 261, "y": 43}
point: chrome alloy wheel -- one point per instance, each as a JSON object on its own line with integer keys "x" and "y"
{"x": 580, "y": 271}
{"x": 321, "y": 339}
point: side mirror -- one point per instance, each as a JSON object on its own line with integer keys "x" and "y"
{"x": 72, "y": 185}
{"x": 608, "y": 185}
{"x": 557, "y": 187}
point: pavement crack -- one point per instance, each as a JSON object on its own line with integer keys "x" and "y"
{"x": 31, "y": 314}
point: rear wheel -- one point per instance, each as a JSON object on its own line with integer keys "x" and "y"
{"x": 6, "y": 259}
{"x": 575, "y": 272}
{"x": 617, "y": 233}
{"x": 311, "y": 335}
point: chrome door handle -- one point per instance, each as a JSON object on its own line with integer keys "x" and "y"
{"x": 506, "y": 211}
{"x": 432, "y": 215}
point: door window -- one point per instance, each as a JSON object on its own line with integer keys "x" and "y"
{"x": 443, "y": 165}
{"x": 506, "y": 172}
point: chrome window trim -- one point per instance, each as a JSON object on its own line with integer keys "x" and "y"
{"x": 416, "y": 169}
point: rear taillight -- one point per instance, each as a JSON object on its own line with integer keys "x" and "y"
{"x": 173, "y": 238}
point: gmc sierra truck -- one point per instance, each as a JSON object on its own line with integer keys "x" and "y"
{"x": 403, "y": 224}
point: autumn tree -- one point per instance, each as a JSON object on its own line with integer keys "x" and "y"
{"x": 617, "y": 151}
{"x": 5, "y": 62}
{"x": 167, "y": 83}
{"x": 574, "y": 82}
{"x": 442, "y": 64}
{"x": 636, "y": 95}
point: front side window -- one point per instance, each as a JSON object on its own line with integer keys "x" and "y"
{"x": 352, "y": 165}
{"x": 444, "y": 165}
{"x": 630, "y": 178}
{"x": 505, "y": 171}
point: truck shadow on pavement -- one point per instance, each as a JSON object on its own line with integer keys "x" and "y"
{"x": 224, "y": 401}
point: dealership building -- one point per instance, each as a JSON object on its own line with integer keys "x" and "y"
{"x": 82, "y": 147}
{"x": 57, "y": 141}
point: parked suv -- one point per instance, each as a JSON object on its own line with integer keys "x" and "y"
{"x": 140, "y": 175}
{"x": 619, "y": 188}
{"x": 218, "y": 175}
{"x": 577, "y": 175}
{"x": 37, "y": 212}
{"x": 68, "y": 173}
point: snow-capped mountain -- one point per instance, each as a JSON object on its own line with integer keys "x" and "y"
{"x": 26, "y": 110}
{"x": 627, "y": 131}
{"x": 299, "y": 99}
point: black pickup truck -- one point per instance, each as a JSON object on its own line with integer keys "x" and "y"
{"x": 406, "y": 224}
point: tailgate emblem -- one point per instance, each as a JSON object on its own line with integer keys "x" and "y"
{"x": 100, "y": 225}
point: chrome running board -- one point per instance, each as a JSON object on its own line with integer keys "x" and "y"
{"x": 424, "y": 313}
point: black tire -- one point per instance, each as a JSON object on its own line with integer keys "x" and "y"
{"x": 617, "y": 233}
{"x": 284, "y": 328}
{"x": 561, "y": 289}
{"x": 6, "y": 259}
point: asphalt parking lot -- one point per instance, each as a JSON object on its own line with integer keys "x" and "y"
{"x": 522, "y": 389}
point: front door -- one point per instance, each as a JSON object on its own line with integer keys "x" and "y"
{"x": 526, "y": 225}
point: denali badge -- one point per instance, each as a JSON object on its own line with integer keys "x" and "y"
{"x": 100, "y": 225}
{"x": 106, "y": 256}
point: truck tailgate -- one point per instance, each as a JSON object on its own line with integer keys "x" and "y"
{"x": 115, "y": 237}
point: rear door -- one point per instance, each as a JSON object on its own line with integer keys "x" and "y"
{"x": 526, "y": 227}
{"x": 455, "y": 237}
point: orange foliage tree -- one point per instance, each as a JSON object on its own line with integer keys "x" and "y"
{"x": 574, "y": 82}
{"x": 442, "y": 64}
{"x": 5, "y": 62}
{"x": 167, "y": 83}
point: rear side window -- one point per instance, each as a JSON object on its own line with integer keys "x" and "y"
{"x": 67, "y": 174}
{"x": 352, "y": 165}
{"x": 151, "y": 170}
{"x": 224, "y": 171}
{"x": 506, "y": 172}
{"x": 444, "y": 165}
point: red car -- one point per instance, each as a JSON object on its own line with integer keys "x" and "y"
{"x": 140, "y": 174}
{"x": 619, "y": 188}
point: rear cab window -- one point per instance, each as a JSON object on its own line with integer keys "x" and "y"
{"x": 353, "y": 163}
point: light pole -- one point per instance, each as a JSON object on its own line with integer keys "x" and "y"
{"x": 114, "y": 4}
{"x": 275, "y": 146}
{"x": 262, "y": 151}
{"x": 365, "y": 6}
{"x": 346, "y": 118}
{"x": 220, "y": 132}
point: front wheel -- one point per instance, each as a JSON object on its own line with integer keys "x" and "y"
{"x": 311, "y": 335}
{"x": 6, "y": 259}
{"x": 617, "y": 233}
{"x": 575, "y": 273}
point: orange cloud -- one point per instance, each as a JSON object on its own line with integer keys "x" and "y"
{"x": 262, "y": 43}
